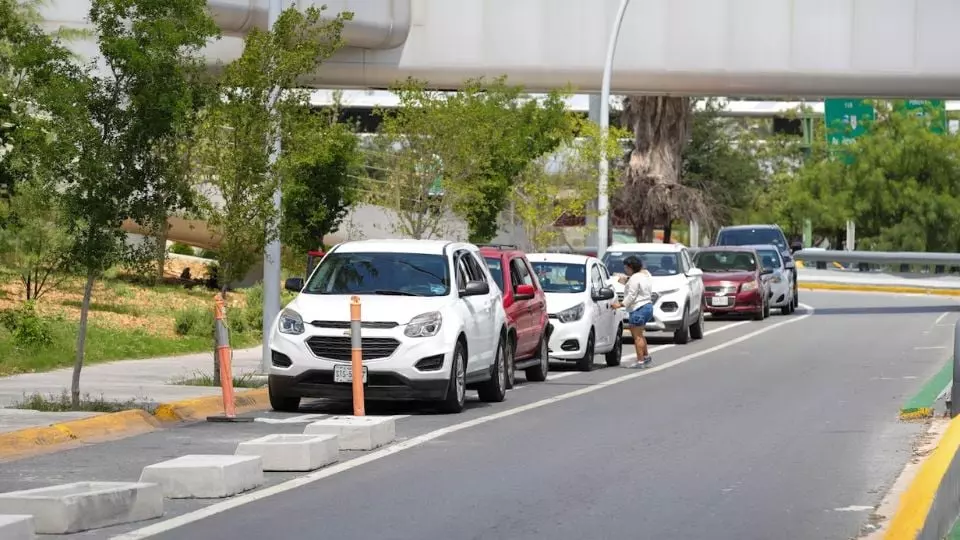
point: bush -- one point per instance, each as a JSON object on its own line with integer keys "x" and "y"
{"x": 26, "y": 326}
{"x": 194, "y": 321}
{"x": 209, "y": 254}
{"x": 181, "y": 249}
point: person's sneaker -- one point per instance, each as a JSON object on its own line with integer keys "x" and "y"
{"x": 647, "y": 360}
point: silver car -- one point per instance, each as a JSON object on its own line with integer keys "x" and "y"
{"x": 780, "y": 280}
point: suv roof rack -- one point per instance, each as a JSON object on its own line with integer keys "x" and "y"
{"x": 499, "y": 246}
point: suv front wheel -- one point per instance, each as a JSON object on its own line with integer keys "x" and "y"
{"x": 457, "y": 388}
{"x": 495, "y": 389}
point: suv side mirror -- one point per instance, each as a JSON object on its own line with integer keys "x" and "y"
{"x": 694, "y": 272}
{"x": 604, "y": 293}
{"x": 795, "y": 247}
{"x": 294, "y": 284}
{"x": 525, "y": 292}
{"x": 475, "y": 288}
{"x": 766, "y": 271}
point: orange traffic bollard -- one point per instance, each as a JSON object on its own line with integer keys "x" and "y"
{"x": 224, "y": 359}
{"x": 356, "y": 356}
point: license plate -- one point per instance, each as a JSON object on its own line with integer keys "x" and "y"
{"x": 720, "y": 301}
{"x": 344, "y": 374}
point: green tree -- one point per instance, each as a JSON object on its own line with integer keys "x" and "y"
{"x": 239, "y": 130}
{"x": 121, "y": 117}
{"x": 320, "y": 174}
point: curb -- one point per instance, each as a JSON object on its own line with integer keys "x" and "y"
{"x": 877, "y": 288}
{"x": 920, "y": 406}
{"x": 916, "y": 511}
{"x": 31, "y": 441}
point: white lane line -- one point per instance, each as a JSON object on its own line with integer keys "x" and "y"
{"x": 240, "y": 500}
{"x": 941, "y": 317}
{"x": 854, "y": 508}
{"x": 931, "y": 348}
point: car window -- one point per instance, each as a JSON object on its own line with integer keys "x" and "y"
{"x": 684, "y": 261}
{"x": 658, "y": 264}
{"x": 406, "y": 274}
{"x": 747, "y": 237}
{"x": 561, "y": 277}
{"x": 726, "y": 261}
{"x": 520, "y": 275}
{"x": 474, "y": 270}
{"x": 531, "y": 274}
{"x": 604, "y": 275}
{"x": 770, "y": 259}
{"x": 463, "y": 275}
{"x": 496, "y": 270}
{"x": 596, "y": 280}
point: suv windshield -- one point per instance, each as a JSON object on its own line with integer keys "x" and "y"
{"x": 401, "y": 274}
{"x": 561, "y": 277}
{"x": 726, "y": 261}
{"x": 496, "y": 269}
{"x": 658, "y": 264}
{"x": 746, "y": 237}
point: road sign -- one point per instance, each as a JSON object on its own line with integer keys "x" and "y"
{"x": 846, "y": 119}
{"x": 927, "y": 107}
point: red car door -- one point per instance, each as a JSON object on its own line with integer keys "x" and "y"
{"x": 526, "y": 326}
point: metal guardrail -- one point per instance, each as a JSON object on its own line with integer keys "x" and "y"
{"x": 878, "y": 257}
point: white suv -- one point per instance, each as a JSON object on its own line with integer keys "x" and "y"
{"x": 433, "y": 326}
{"x": 677, "y": 286}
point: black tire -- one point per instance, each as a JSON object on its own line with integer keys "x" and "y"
{"x": 456, "y": 396}
{"x": 681, "y": 336}
{"x": 280, "y": 403}
{"x": 538, "y": 373}
{"x": 696, "y": 330}
{"x": 495, "y": 389}
{"x": 613, "y": 357}
{"x": 766, "y": 309}
{"x": 758, "y": 315}
{"x": 509, "y": 357}
{"x": 586, "y": 363}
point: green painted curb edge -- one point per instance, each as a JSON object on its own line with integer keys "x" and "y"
{"x": 921, "y": 405}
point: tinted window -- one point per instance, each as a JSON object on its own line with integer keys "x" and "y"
{"x": 561, "y": 277}
{"x": 658, "y": 264}
{"x": 747, "y": 237}
{"x": 726, "y": 261}
{"x": 407, "y": 274}
{"x": 474, "y": 270}
{"x": 520, "y": 274}
{"x": 769, "y": 258}
{"x": 496, "y": 269}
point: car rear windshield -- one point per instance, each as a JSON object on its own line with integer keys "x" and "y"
{"x": 658, "y": 264}
{"x": 726, "y": 261}
{"x": 748, "y": 237}
{"x": 496, "y": 269}
{"x": 400, "y": 274}
{"x": 561, "y": 277}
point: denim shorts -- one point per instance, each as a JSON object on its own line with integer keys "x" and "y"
{"x": 642, "y": 315}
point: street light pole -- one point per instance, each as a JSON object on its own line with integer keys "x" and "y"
{"x": 603, "y": 199}
{"x": 271, "y": 254}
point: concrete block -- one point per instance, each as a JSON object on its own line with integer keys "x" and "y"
{"x": 205, "y": 476}
{"x": 292, "y": 452}
{"x": 16, "y": 527}
{"x": 82, "y": 506}
{"x": 356, "y": 432}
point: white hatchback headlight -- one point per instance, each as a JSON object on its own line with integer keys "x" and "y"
{"x": 290, "y": 322}
{"x": 425, "y": 325}
{"x": 666, "y": 292}
{"x": 571, "y": 314}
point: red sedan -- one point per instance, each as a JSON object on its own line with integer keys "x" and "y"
{"x": 733, "y": 282}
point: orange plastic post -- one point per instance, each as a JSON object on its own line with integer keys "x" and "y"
{"x": 356, "y": 356}
{"x": 223, "y": 358}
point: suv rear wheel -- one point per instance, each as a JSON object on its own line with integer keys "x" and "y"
{"x": 538, "y": 373}
{"x": 495, "y": 389}
{"x": 613, "y": 357}
{"x": 457, "y": 388}
{"x": 681, "y": 336}
{"x": 509, "y": 359}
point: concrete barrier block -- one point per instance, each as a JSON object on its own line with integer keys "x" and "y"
{"x": 292, "y": 452}
{"x": 356, "y": 432}
{"x": 82, "y": 506}
{"x": 205, "y": 476}
{"x": 16, "y": 527}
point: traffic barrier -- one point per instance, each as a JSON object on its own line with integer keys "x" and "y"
{"x": 356, "y": 356}
{"x": 221, "y": 338}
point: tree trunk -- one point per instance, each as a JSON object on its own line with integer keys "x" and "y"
{"x": 161, "y": 249}
{"x": 667, "y": 232}
{"x": 81, "y": 340}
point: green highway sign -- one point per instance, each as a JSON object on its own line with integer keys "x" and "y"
{"x": 846, "y": 119}
{"x": 926, "y": 107}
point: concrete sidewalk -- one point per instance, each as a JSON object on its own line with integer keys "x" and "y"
{"x": 147, "y": 381}
{"x": 878, "y": 279}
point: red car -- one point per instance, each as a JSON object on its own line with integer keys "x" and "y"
{"x": 733, "y": 281}
{"x": 526, "y": 308}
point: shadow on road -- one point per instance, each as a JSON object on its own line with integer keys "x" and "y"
{"x": 887, "y": 310}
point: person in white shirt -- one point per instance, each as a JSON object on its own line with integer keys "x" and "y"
{"x": 638, "y": 301}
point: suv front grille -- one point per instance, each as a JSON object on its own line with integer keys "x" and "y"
{"x": 342, "y": 325}
{"x": 338, "y": 348}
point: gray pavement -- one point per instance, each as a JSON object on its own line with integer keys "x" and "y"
{"x": 771, "y": 435}
{"x": 846, "y": 276}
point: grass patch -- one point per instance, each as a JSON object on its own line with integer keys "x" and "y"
{"x": 62, "y": 403}
{"x": 120, "y": 309}
{"x": 103, "y": 345}
{"x": 203, "y": 378}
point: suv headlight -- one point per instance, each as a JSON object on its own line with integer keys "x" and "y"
{"x": 571, "y": 314}
{"x": 749, "y": 286}
{"x": 290, "y": 322}
{"x": 425, "y": 325}
{"x": 664, "y": 293}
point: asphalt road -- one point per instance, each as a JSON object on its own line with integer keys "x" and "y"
{"x": 783, "y": 429}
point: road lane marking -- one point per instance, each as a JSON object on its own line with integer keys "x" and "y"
{"x": 930, "y": 348}
{"x": 854, "y": 508}
{"x": 240, "y": 500}
{"x": 633, "y": 356}
{"x": 941, "y": 317}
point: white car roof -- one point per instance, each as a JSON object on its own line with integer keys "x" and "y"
{"x": 650, "y": 247}
{"x": 426, "y": 247}
{"x": 563, "y": 258}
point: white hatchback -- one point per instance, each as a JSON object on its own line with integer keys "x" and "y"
{"x": 677, "y": 286}
{"x": 432, "y": 326}
{"x": 580, "y": 307}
